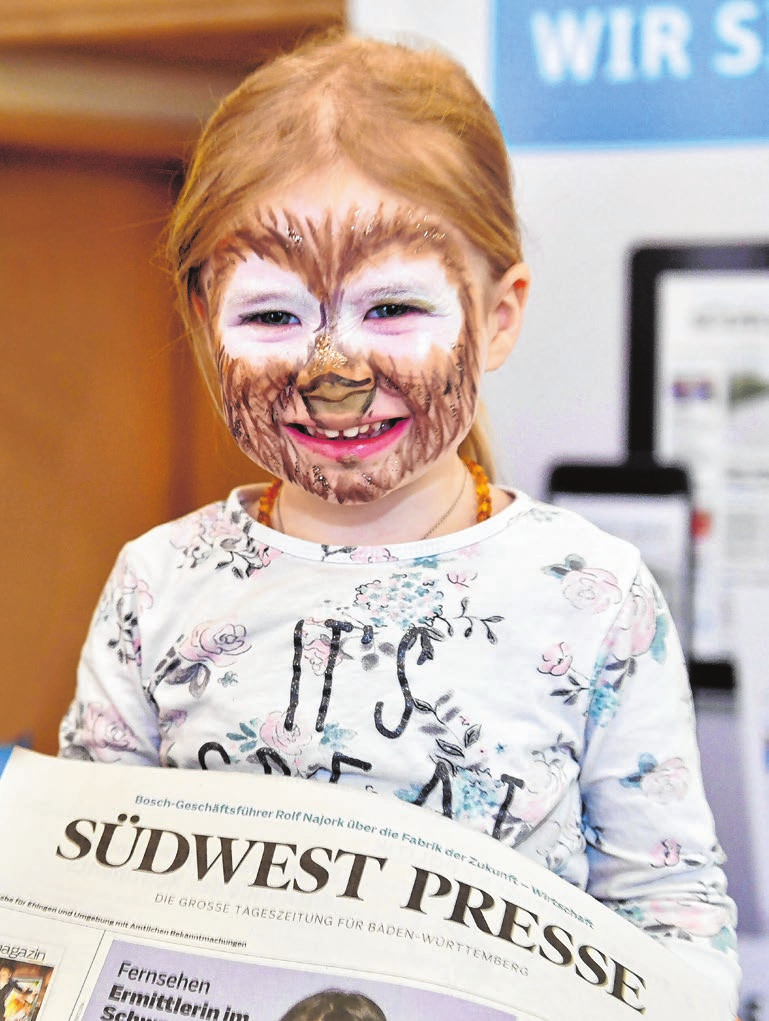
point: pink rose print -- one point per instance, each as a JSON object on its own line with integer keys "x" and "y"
{"x": 212, "y": 532}
{"x": 138, "y": 588}
{"x": 171, "y": 718}
{"x": 105, "y": 733}
{"x": 542, "y": 788}
{"x": 695, "y": 917}
{"x": 666, "y": 853}
{"x": 669, "y": 781}
{"x": 316, "y": 654}
{"x": 218, "y": 642}
{"x": 267, "y": 554}
{"x": 591, "y": 589}
{"x": 636, "y": 624}
{"x": 316, "y": 651}
{"x": 274, "y": 734}
{"x": 188, "y": 531}
{"x": 371, "y": 555}
{"x": 469, "y": 551}
{"x": 556, "y": 660}
{"x": 224, "y": 528}
{"x": 557, "y": 843}
{"x": 461, "y": 579}
{"x": 123, "y": 603}
{"x": 185, "y": 533}
{"x": 661, "y": 782}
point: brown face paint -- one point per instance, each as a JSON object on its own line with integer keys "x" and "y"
{"x": 335, "y": 384}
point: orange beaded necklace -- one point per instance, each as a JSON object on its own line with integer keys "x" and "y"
{"x": 482, "y": 494}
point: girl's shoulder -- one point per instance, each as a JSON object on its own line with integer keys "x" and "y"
{"x": 559, "y": 541}
{"x": 194, "y": 536}
{"x": 553, "y": 524}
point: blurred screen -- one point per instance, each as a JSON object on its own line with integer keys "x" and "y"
{"x": 712, "y": 414}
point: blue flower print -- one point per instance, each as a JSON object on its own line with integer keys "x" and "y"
{"x": 474, "y": 796}
{"x": 661, "y": 782}
{"x": 632, "y": 912}
{"x": 401, "y": 601}
{"x": 336, "y": 736}
{"x": 246, "y": 737}
{"x": 604, "y": 704}
{"x": 658, "y": 647}
{"x": 724, "y": 940}
{"x": 477, "y": 795}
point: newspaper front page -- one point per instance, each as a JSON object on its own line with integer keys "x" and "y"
{"x": 132, "y": 894}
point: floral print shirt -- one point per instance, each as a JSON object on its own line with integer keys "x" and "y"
{"x": 522, "y": 677}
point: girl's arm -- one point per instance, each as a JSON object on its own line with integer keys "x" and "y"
{"x": 111, "y": 719}
{"x": 652, "y": 849}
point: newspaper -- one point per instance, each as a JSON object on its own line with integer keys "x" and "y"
{"x": 133, "y": 894}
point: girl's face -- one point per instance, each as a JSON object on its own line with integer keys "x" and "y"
{"x": 351, "y": 330}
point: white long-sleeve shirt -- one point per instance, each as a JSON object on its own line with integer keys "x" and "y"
{"x": 522, "y": 677}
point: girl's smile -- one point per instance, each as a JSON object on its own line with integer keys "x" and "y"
{"x": 353, "y": 445}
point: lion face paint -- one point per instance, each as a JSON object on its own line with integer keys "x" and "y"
{"x": 347, "y": 346}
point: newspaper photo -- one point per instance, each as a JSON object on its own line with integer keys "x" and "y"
{"x": 131, "y": 894}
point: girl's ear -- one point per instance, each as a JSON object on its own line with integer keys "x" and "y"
{"x": 509, "y": 297}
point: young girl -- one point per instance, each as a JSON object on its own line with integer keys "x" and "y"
{"x": 381, "y": 616}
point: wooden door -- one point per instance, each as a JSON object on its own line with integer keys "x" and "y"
{"x": 104, "y": 427}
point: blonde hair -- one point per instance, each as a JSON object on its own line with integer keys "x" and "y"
{"x": 412, "y": 121}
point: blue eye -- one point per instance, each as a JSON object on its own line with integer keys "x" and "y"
{"x": 274, "y": 317}
{"x": 390, "y": 310}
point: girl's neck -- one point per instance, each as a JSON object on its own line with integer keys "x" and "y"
{"x": 442, "y": 501}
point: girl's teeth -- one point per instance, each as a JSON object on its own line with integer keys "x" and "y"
{"x": 350, "y": 434}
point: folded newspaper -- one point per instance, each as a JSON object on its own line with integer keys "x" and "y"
{"x": 133, "y": 894}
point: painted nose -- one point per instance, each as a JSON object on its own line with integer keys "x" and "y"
{"x": 334, "y": 389}
{"x": 332, "y": 398}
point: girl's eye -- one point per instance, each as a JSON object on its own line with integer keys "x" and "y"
{"x": 272, "y": 318}
{"x": 390, "y": 310}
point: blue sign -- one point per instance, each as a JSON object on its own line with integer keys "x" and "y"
{"x": 595, "y": 74}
